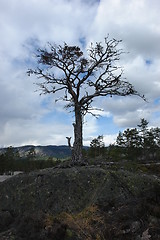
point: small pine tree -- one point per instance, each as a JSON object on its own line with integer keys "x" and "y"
{"x": 97, "y": 146}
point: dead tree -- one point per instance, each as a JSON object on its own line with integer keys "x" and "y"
{"x": 81, "y": 77}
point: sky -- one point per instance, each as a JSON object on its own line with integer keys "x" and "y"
{"x": 28, "y": 118}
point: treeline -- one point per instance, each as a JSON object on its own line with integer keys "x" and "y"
{"x": 11, "y": 161}
{"x": 141, "y": 144}
{"x": 138, "y": 144}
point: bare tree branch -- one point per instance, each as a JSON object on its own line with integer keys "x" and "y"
{"x": 80, "y": 78}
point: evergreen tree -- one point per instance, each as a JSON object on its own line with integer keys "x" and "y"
{"x": 120, "y": 140}
{"x": 97, "y": 146}
{"x": 10, "y": 158}
{"x": 2, "y": 164}
{"x": 129, "y": 142}
{"x": 143, "y": 130}
{"x": 142, "y": 143}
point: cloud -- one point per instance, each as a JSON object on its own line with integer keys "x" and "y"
{"x": 107, "y": 139}
{"x": 34, "y": 132}
{"x": 137, "y": 24}
{"x": 25, "y": 25}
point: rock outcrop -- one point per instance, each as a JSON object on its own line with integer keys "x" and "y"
{"x": 80, "y": 203}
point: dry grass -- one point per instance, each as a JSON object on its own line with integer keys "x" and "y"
{"x": 87, "y": 224}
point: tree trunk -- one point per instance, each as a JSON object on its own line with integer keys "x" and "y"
{"x": 78, "y": 139}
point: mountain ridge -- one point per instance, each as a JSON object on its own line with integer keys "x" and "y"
{"x": 57, "y": 151}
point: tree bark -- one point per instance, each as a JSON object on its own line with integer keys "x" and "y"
{"x": 78, "y": 139}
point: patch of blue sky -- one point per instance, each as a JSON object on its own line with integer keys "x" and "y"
{"x": 148, "y": 62}
{"x": 31, "y": 44}
{"x": 91, "y": 2}
{"x": 46, "y": 101}
{"x": 107, "y": 126}
{"x": 157, "y": 101}
{"x": 156, "y": 114}
{"x": 20, "y": 63}
{"x": 27, "y": 60}
{"x": 31, "y": 47}
{"x": 94, "y": 1}
{"x": 82, "y": 41}
{"x": 56, "y": 116}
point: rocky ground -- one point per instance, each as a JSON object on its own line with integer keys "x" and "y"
{"x": 6, "y": 176}
{"x": 80, "y": 202}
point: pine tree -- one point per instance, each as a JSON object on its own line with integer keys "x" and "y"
{"x": 97, "y": 146}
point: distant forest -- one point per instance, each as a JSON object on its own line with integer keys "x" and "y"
{"x": 27, "y": 158}
{"x": 141, "y": 144}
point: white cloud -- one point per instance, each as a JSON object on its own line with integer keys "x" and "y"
{"x": 109, "y": 139}
{"x": 27, "y": 24}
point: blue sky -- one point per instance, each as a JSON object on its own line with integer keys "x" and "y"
{"x": 26, "y": 117}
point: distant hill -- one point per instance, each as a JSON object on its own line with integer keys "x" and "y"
{"x": 61, "y": 151}
{"x": 50, "y": 151}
